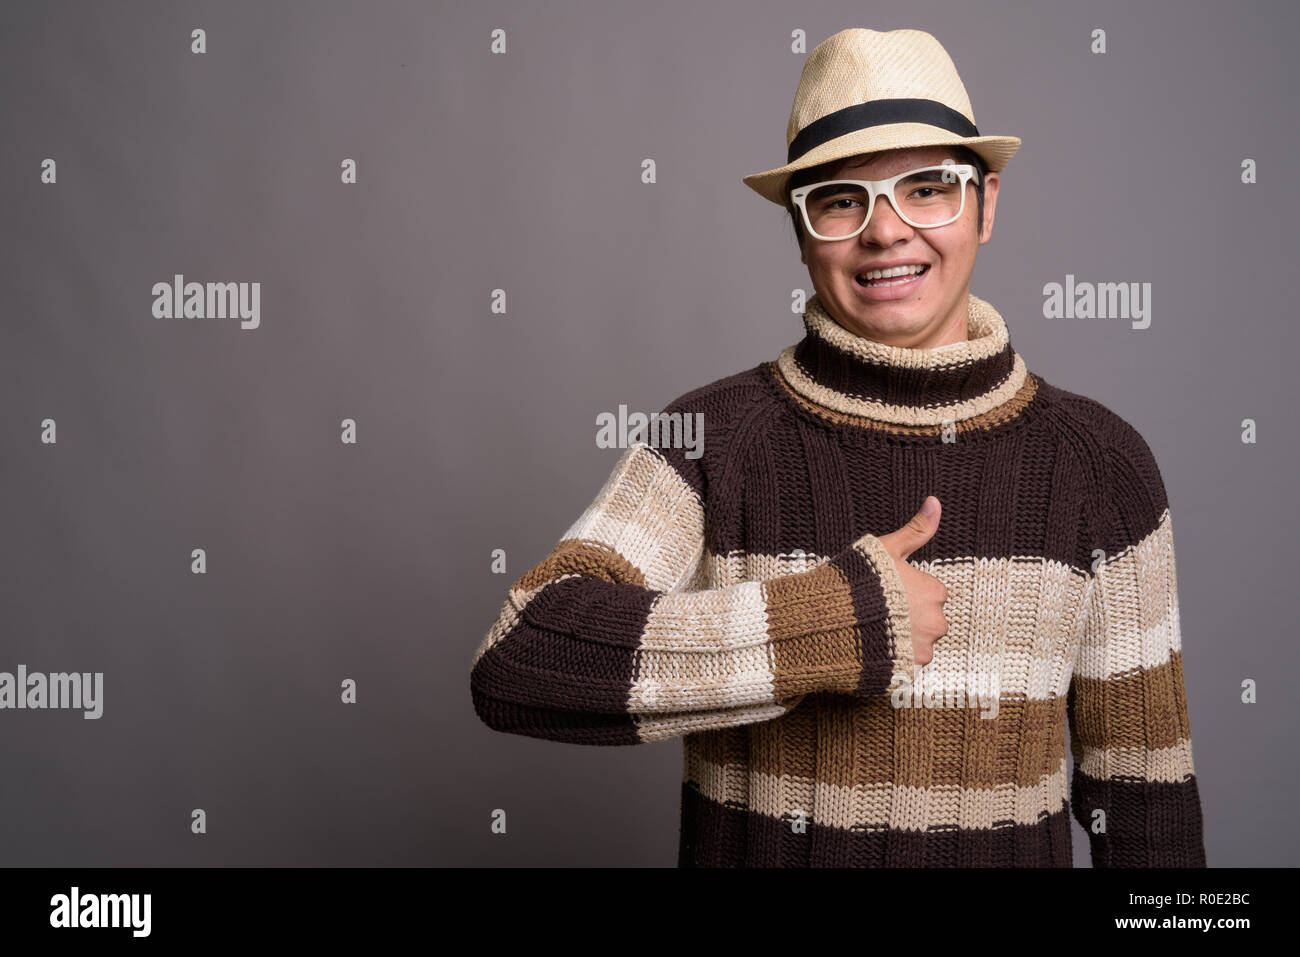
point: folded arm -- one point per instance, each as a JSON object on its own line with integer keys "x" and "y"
{"x": 603, "y": 642}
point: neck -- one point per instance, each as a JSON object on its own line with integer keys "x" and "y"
{"x": 979, "y": 376}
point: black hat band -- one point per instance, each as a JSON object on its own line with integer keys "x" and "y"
{"x": 859, "y": 116}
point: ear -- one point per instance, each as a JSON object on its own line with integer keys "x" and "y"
{"x": 991, "y": 183}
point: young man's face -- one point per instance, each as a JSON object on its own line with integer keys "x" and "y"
{"x": 930, "y": 310}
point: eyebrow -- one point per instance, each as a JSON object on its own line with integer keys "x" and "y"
{"x": 836, "y": 189}
{"x": 858, "y": 166}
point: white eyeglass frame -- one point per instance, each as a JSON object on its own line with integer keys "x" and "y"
{"x": 885, "y": 187}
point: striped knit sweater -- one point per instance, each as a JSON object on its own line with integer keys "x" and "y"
{"x": 740, "y": 600}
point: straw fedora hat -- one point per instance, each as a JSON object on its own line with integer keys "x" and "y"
{"x": 867, "y": 90}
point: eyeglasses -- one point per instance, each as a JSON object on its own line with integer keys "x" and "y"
{"x": 925, "y": 198}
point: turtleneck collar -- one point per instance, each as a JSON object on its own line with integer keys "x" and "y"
{"x": 847, "y": 373}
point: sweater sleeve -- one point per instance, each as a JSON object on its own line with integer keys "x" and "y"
{"x": 604, "y": 642}
{"x": 1127, "y": 705}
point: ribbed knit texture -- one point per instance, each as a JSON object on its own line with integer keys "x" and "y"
{"x": 742, "y": 601}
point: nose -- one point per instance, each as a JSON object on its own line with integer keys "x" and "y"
{"x": 884, "y": 226}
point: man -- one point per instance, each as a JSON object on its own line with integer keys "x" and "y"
{"x": 857, "y": 682}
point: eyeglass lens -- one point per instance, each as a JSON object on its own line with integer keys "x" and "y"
{"x": 924, "y": 198}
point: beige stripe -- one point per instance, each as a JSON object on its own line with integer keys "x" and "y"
{"x": 702, "y": 651}
{"x": 665, "y": 726}
{"x": 986, "y": 333}
{"x": 1024, "y": 616}
{"x": 1013, "y": 624}
{"x": 741, "y": 566}
{"x": 1168, "y": 765}
{"x": 900, "y": 621}
{"x": 987, "y": 420}
{"x": 751, "y": 643}
{"x": 647, "y": 513}
{"x": 902, "y": 414}
{"x": 1133, "y": 618}
{"x": 876, "y": 806}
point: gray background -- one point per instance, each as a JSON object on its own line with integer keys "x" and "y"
{"x": 476, "y": 431}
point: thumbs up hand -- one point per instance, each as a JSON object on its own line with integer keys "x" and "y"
{"x": 925, "y": 593}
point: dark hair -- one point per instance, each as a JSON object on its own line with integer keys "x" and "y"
{"x": 962, "y": 154}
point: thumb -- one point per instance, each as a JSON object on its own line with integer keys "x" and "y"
{"x": 919, "y": 529}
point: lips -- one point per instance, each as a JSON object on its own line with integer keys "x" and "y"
{"x": 895, "y": 289}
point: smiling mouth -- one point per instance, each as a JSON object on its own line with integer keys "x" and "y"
{"x": 861, "y": 279}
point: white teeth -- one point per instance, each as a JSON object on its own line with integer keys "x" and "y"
{"x": 890, "y": 273}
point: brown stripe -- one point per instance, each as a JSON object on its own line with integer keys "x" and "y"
{"x": 857, "y": 378}
{"x": 788, "y": 746}
{"x": 573, "y": 647}
{"x": 813, "y": 628}
{"x": 1144, "y": 709}
{"x": 549, "y": 724}
{"x": 1148, "y": 823}
{"x": 880, "y": 605}
{"x": 577, "y": 557}
{"x": 714, "y": 835}
{"x": 939, "y": 746}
